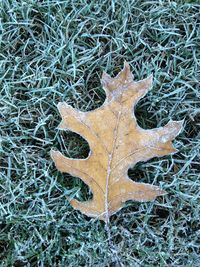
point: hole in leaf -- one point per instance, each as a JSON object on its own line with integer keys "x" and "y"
{"x": 69, "y": 182}
{"x": 73, "y": 145}
{"x": 136, "y": 173}
{"x": 143, "y": 115}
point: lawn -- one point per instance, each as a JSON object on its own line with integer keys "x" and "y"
{"x": 56, "y": 50}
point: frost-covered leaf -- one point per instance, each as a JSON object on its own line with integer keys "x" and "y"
{"x": 116, "y": 143}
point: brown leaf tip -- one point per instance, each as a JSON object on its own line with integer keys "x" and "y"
{"x": 171, "y": 130}
{"x": 161, "y": 192}
{"x": 123, "y": 77}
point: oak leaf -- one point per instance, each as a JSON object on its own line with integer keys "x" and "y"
{"x": 116, "y": 143}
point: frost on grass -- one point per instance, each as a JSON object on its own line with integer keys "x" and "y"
{"x": 53, "y": 51}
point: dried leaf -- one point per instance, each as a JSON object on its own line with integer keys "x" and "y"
{"x": 117, "y": 143}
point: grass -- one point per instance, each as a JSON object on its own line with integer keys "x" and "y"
{"x": 53, "y": 51}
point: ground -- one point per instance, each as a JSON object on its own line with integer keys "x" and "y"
{"x": 53, "y": 51}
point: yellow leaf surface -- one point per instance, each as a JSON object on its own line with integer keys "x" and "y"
{"x": 116, "y": 143}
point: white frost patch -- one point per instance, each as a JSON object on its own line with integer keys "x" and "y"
{"x": 164, "y": 139}
{"x": 82, "y": 115}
